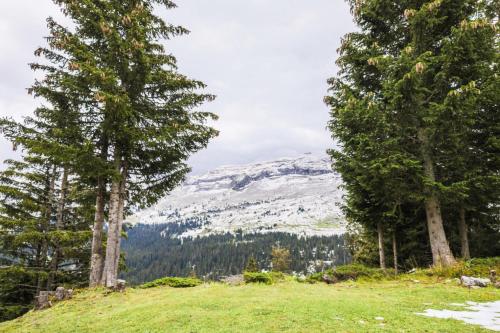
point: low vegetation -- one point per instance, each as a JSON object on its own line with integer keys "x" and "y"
{"x": 174, "y": 282}
{"x": 264, "y": 277}
{"x": 474, "y": 267}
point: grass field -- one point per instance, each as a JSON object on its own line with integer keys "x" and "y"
{"x": 283, "y": 307}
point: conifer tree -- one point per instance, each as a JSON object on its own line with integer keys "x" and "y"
{"x": 403, "y": 108}
{"x": 252, "y": 265}
{"x": 139, "y": 110}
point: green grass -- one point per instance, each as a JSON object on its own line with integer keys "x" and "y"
{"x": 282, "y": 307}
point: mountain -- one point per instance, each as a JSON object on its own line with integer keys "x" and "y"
{"x": 299, "y": 195}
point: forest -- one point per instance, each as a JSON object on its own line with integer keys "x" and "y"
{"x": 152, "y": 252}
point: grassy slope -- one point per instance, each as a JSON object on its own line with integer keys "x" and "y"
{"x": 285, "y": 307}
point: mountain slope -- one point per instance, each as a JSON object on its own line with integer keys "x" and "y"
{"x": 294, "y": 195}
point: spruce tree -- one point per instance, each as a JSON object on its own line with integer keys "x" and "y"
{"x": 403, "y": 109}
{"x": 138, "y": 108}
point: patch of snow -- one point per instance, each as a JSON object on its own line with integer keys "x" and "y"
{"x": 487, "y": 315}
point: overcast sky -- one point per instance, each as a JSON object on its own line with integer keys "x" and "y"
{"x": 266, "y": 60}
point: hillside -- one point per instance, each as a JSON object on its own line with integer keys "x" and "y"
{"x": 290, "y": 195}
{"x": 284, "y": 307}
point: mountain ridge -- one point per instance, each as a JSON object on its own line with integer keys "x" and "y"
{"x": 299, "y": 195}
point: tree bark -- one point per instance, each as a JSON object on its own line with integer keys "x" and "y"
{"x": 441, "y": 253}
{"x": 96, "y": 260}
{"x": 96, "y": 257}
{"x": 381, "y": 251}
{"x": 395, "y": 251}
{"x": 121, "y": 208}
{"x": 464, "y": 237}
{"x": 59, "y": 226}
{"x": 45, "y": 225}
{"x": 112, "y": 244}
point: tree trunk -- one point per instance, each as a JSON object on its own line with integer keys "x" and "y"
{"x": 395, "y": 251}
{"x": 381, "y": 251}
{"x": 96, "y": 257}
{"x": 441, "y": 253}
{"x": 464, "y": 237}
{"x": 110, "y": 271}
{"x": 59, "y": 226}
{"x": 121, "y": 208}
{"x": 44, "y": 225}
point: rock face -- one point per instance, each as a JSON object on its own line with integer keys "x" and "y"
{"x": 296, "y": 195}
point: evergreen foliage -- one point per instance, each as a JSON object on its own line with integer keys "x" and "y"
{"x": 258, "y": 277}
{"x": 252, "y": 265}
{"x": 174, "y": 282}
{"x": 116, "y": 126}
{"x": 408, "y": 112}
{"x": 153, "y": 251}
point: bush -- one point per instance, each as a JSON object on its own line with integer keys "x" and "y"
{"x": 256, "y": 277}
{"x": 277, "y": 276}
{"x": 479, "y": 267}
{"x": 349, "y": 272}
{"x": 174, "y": 282}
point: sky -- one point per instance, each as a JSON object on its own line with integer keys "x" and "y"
{"x": 267, "y": 61}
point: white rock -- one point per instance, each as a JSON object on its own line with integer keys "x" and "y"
{"x": 472, "y": 281}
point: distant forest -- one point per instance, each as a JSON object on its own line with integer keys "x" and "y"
{"x": 152, "y": 252}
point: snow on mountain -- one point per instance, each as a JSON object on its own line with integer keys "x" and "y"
{"x": 296, "y": 195}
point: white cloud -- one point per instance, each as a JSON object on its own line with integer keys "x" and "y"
{"x": 267, "y": 61}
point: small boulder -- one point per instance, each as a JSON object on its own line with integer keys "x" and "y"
{"x": 470, "y": 282}
{"x": 329, "y": 279}
{"x": 60, "y": 293}
{"x": 120, "y": 285}
{"x": 68, "y": 294}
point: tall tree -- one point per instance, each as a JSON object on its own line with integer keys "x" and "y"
{"x": 139, "y": 109}
{"x": 394, "y": 105}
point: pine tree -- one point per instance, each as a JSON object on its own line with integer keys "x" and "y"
{"x": 252, "y": 265}
{"x": 44, "y": 233}
{"x": 139, "y": 110}
{"x": 399, "y": 98}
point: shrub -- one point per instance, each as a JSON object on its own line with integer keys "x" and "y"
{"x": 277, "y": 276}
{"x": 479, "y": 267}
{"x": 256, "y": 277}
{"x": 174, "y": 282}
{"x": 349, "y": 272}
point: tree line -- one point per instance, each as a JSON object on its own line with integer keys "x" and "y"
{"x": 116, "y": 124}
{"x": 154, "y": 251}
{"x": 414, "y": 112}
